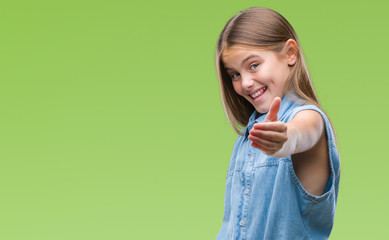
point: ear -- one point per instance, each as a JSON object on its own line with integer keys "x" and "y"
{"x": 291, "y": 51}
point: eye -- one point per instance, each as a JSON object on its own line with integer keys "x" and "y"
{"x": 254, "y": 66}
{"x": 234, "y": 75}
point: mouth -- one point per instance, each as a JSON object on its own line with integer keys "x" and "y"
{"x": 257, "y": 94}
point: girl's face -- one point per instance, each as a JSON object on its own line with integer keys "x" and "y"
{"x": 257, "y": 75}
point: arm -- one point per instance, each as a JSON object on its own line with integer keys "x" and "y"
{"x": 303, "y": 132}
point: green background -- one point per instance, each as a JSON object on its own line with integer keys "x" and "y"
{"x": 112, "y": 126}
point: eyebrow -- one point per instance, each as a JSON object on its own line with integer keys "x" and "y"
{"x": 245, "y": 60}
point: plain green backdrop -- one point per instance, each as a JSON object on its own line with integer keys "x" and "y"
{"x": 112, "y": 126}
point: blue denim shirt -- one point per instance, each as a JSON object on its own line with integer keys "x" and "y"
{"x": 264, "y": 198}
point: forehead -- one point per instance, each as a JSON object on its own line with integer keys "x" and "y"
{"x": 237, "y": 54}
{"x": 237, "y": 50}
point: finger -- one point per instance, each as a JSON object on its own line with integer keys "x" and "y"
{"x": 269, "y": 145}
{"x": 273, "y": 111}
{"x": 263, "y": 149}
{"x": 271, "y": 136}
{"x": 271, "y": 126}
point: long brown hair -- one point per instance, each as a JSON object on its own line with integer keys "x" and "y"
{"x": 265, "y": 29}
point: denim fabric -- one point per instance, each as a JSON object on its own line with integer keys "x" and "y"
{"x": 264, "y": 198}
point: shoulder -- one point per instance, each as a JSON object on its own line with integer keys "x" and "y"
{"x": 306, "y": 116}
{"x": 308, "y": 119}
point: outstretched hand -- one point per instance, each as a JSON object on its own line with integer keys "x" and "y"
{"x": 269, "y": 136}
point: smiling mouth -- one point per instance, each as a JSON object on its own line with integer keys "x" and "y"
{"x": 258, "y": 93}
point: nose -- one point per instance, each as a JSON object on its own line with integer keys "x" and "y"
{"x": 247, "y": 82}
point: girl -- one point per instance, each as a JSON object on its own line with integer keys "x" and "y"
{"x": 283, "y": 178}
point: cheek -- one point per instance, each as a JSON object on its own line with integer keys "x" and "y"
{"x": 266, "y": 73}
{"x": 273, "y": 76}
{"x": 283, "y": 73}
{"x": 282, "y": 77}
{"x": 237, "y": 87}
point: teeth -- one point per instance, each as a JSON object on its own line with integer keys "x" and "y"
{"x": 258, "y": 93}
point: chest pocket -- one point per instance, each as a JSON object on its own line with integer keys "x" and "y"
{"x": 263, "y": 160}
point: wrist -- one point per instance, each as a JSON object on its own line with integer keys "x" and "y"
{"x": 289, "y": 147}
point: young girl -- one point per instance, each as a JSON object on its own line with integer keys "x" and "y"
{"x": 283, "y": 178}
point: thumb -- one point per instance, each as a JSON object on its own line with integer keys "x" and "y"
{"x": 273, "y": 111}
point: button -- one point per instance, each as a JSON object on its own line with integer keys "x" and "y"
{"x": 246, "y": 191}
{"x": 251, "y": 158}
{"x": 241, "y": 222}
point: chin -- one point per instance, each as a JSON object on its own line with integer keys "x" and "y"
{"x": 262, "y": 110}
{"x": 262, "y": 106}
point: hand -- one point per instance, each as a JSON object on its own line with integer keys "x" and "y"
{"x": 269, "y": 136}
